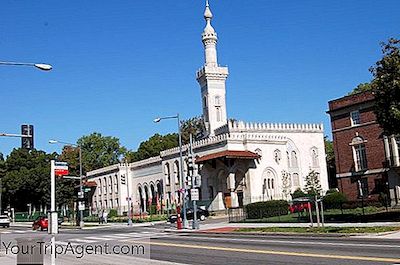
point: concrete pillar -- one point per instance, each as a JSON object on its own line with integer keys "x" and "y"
{"x": 231, "y": 181}
{"x": 395, "y": 149}
{"x": 387, "y": 149}
{"x": 218, "y": 203}
{"x": 234, "y": 199}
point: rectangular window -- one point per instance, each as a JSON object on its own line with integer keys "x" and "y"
{"x": 362, "y": 186}
{"x": 360, "y": 157}
{"x": 355, "y": 118}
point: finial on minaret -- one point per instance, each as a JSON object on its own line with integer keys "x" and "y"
{"x": 207, "y": 13}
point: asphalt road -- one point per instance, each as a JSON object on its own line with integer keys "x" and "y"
{"x": 189, "y": 248}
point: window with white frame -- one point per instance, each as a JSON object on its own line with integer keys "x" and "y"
{"x": 355, "y": 117}
{"x": 293, "y": 159}
{"x": 359, "y": 153}
{"x": 314, "y": 157}
{"x": 110, "y": 187}
{"x": 296, "y": 179}
{"x": 360, "y": 157}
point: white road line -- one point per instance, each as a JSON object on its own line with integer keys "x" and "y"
{"x": 94, "y": 238}
{"x": 83, "y": 240}
{"x": 20, "y": 232}
{"x": 304, "y": 242}
{"x": 115, "y": 237}
{"x": 6, "y": 232}
{"x": 66, "y": 243}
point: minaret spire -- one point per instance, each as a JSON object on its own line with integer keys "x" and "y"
{"x": 209, "y": 38}
{"x": 211, "y": 78}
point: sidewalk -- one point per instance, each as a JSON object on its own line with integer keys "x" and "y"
{"x": 228, "y": 228}
{"x": 93, "y": 225}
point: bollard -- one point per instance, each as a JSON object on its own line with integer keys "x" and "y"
{"x": 29, "y": 251}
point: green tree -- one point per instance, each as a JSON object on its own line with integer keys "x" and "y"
{"x": 386, "y": 87}
{"x": 298, "y": 193}
{"x": 153, "y": 146}
{"x": 194, "y": 126}
{"x": 100, "y": 151}
{"x": 27, "y": 178}
{"x": 66, "y": 188}
{"x": 363, "y": 87}
{"x": 313, "y": 186}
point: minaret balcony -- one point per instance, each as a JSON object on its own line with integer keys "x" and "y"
{"x": 213, "y": 72}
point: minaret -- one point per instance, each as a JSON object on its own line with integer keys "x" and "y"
{"x": 211, "y": 78}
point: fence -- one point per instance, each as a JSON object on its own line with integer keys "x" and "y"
{"x": 236, "y": 215}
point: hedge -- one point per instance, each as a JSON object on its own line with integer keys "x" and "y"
{"x": 259, "y": 210}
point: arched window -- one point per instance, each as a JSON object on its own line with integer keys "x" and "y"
{"x": 100, "y": 187}
{"x": 167, "y": 174}
{"x": 176, "y": 172}
{"x": 105, "y": 186}
{"x": 205, "y": 102}
{"x": 359, "y": 153}
{"x": 217, "y": 101}
{"x": 293, "y": 159}
{"x": 110, "y": 187}
{"x": 277, "y": 156}
{"x": 314, "y": 157}
{"x": 116, "y": 183}
{"x": 296, "y": 180}
{"x": 288, "y": 159}
{"x": 219, "y": 114}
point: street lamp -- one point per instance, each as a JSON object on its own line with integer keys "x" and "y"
{"x": 81, "y": 223}
{"x": 41, "y": 66}
{"x": 125, "y": 160}
{"x": 182, "y": 184}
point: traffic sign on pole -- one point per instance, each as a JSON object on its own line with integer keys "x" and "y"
{"x": 194, "y": 194}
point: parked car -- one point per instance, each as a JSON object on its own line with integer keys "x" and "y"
{"x": 41, "y": 223}
{"x": 4, "y": 221}
{"x": 202, "y": 214}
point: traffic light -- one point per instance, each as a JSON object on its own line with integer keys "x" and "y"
{"x": 27, "y": 142}
{"x": 123, "y": 180}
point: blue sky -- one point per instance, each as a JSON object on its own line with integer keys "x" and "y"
{"x": 118, "y": 64}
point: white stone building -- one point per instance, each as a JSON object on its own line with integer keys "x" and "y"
{"x": 239, "y": 162}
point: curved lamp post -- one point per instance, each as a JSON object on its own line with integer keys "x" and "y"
{"x": 40, "y": 66}
{"x": 81, "y": 223}
{"x": 182, "y": 183}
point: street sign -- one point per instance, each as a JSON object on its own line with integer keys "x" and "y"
{"x": 81, "y": 206}
{"x": 197, "y": 181}
{"x": 61, "y": 168}
{"x": 194, "y": 194}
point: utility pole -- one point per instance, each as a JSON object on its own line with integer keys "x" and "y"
{"x": 193, "y": 182}
{"x": 128, "y": 194}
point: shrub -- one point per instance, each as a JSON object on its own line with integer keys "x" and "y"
{"x": 266, "y": 209}
{"x": 334, "y": 200}
{"x": 298, "y": 194}
{"x": 113, "y": 212}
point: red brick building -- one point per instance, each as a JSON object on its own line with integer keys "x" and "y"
{"x": 365, "y": 158}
